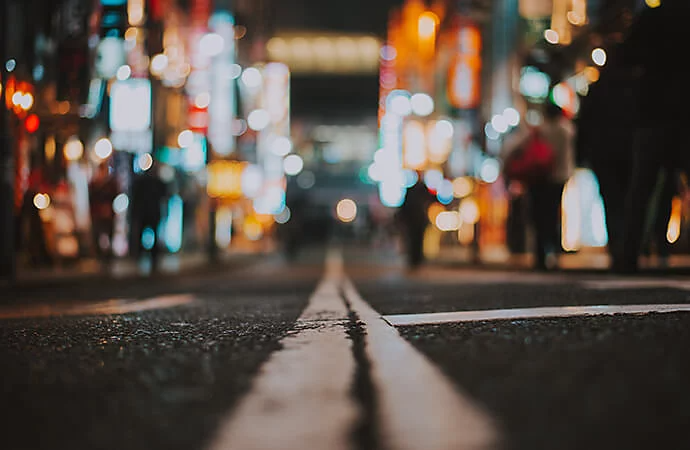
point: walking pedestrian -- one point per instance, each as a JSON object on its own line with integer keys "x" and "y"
{"x": 413, "y": 219}
{"x": 148, "y": 195}
{"x": 103, "y": 189}
{"x": 651, "y": 49}
{"x": 605, "y": 128}
{"x": 543, "y": 172}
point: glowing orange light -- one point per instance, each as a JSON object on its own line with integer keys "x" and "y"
{"x": 32, "y": 123}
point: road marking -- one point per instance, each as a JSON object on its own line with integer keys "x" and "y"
{"x": 301, "y": 397}
{"x": 640, "y": 283}
{"x": 529, "y": 313}
{"x": 419, "y": 408}
{"x": 108, "y": 307}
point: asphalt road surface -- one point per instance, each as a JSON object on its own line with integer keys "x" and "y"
{"x": 345, "y": 349}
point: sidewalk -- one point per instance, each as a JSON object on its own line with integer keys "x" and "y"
{"x": 587, "y": 260}
{"x": 87, "y": 270}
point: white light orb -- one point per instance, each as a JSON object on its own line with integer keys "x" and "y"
{"x": 491, "y": 132}
{"x": 41, "y": 201}
{"x": 284, "y": 216}
{"x": 258, "y": 119}
{"x": 145, "y": 161}
{"x": 121, "y": 203}
{"x": 281, "y": 146}
{"x": 73, "y": 149}
{"x": 346, "y": 209}
{"x": 185, "y": 138}
{"x": 202, "y": 100}
{"x": 499, "y": 123}
{"x": 490, "y": 170}
{"x": 444, "y": 128}
{"x": 158, "y": 64}
{"x": 512, "y": 116}
{"x": 551, "y": 36}
{"x": 422, "y": 104}
{"x": 293, "y": 164}
{"x": 124, "y": 72}
{"x": 103, "y": 148}
{"x": 234, "y": 71}
{"x": 211, "y": 44}
{"x": 252, "y": 77}
{"x": 400, "y": 105}
{"x": 599, "y": 56}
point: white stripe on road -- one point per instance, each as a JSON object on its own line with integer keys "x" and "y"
{"x": 529, "y": 313}
{"x": 639, "y": 283}
{"x": 419, "y": 408}
{"x": 302, "y": 395}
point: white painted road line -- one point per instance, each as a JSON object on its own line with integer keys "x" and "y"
{"x": 639, "y": 283}
{"x": 301, "y": 397}
{"x": 529, "y": 313}
{"x": 419, "y": 408}
{"x": 115, "y": 306}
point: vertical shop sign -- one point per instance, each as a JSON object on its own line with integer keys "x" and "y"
{"x": 222, "y": 109}
{"x": 72, "y": 51}
{"x": 464, "y": 70}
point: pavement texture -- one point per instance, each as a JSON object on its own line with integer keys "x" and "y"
{"x": 165, "y": 378}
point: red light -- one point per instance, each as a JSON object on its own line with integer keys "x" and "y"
{"x": 31, "y": 123}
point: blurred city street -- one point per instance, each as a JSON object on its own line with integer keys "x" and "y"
{"x": 308, "y": 224}
{"x": 273, "y": 354}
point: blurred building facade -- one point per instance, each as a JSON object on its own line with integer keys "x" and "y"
{"x": 235, "y": 101}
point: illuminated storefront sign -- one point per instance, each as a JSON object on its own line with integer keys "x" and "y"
{"x": 222, "y": 107}
{"x": 464, "y": 70}
{"x": 225, "y": 179}
{"x": 130, "y": 105}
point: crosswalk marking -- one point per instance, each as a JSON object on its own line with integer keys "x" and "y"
{"x": 301, "y": 397}
{"x": 419, "y": 407}
{"x": 114, "y": 306}
{"x": 529, "y": 313}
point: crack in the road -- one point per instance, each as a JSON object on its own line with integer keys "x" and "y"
{"x": 365, "y": 433}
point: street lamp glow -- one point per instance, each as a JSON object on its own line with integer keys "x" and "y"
{"x": 103, "y": 148}
{"x": 293, "y": 164}
{"x": 599, "y": 56}
{"x": 185, "y": 138}
{"x": 422, "y": 104}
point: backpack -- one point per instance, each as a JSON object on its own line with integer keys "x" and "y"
{"x": 531, "y": 163}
